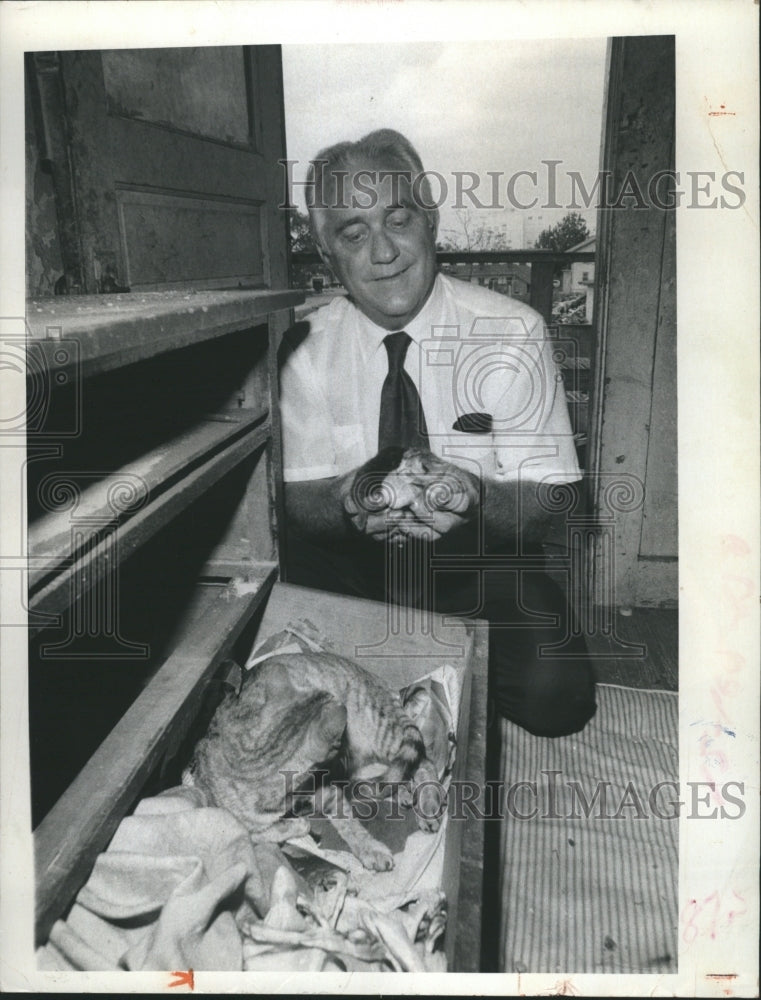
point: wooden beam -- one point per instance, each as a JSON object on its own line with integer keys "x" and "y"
{"x": 540, "y": 297}
{"x": 85, "y": 818}
{"x": 110, "y": 331}
{"x": 49, "y": 540}
{"x": 241, "y": 569}
{"x": 466, "y": 929}
{"x": 633, "y": 418}
{"x": 79, "y": 575}
{"x": 484, "y": 256}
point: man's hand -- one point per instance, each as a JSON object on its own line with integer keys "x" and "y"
{"x": 398, "y": 495}
{"x": 364, "y": 496}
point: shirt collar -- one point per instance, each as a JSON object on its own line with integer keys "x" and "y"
{"x": 419, "y": 328}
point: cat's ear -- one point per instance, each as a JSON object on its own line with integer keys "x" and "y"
{"x": 323, "y": 739}
{"x": 416, "y": 703}
{"x": 333, "y": 720}
{"x": 275, "y": 684}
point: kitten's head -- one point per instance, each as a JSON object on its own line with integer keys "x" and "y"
{"x": 377, "y": 780}
{"x": 324, "y": 737}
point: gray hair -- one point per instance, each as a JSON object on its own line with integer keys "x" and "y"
{"x": 384, "y": 145}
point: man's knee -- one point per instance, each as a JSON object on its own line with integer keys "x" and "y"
{"x": 556, "y": 714}
{"x": 545, "y": 697}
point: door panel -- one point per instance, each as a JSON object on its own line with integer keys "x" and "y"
{"x": 201, "y": 91}
{"x": 660, "y": 536}
{"x": 173, "y": 157}
{"x": 170, "y": 240}
{"x": 634, "y": 434}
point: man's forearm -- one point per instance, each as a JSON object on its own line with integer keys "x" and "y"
{"x": 316, "y": 509}
{"x": 509, "y": 509}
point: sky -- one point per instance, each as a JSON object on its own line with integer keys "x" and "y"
{"x": 475, "y": 106}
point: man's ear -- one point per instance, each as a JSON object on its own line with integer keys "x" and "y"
{"x": 433, "y": 222}
{"x": 324, "y": 254}
{"x": 321, "y": 250}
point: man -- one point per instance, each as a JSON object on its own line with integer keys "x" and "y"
{"x": 463, "y": 377}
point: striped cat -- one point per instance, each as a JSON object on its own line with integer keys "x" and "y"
{"x": 296, "y": 711}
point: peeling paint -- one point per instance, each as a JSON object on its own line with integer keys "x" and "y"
{"x": 44, "y": 263}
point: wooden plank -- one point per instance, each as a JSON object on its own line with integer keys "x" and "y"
{"x": 635, "y": 276}
{"x": 451, "y": 874}
{"x": 277, "y": 327}
{"x": 467, "y": 921}
{"x": 540, "y": 296}
{"x": 82, "y": 822}
{"x": 252, "y": 532}
{"x": 483, "y": 256}
{"x": 78, "y": 576}
{"x": 49, "y": 538}
{"x": 241, "y": 569}
{"x": 115, "y": 330}
{"x": 660, "y": 529}
{"x": 47, "y": 93}
{"x": 657, "y": 631}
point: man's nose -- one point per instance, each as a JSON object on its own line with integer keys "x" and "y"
{"x": 383, "y": 248}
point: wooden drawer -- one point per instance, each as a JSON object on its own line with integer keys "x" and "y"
{"x": 395, "y": 643}
{"x": 400, "y": 645}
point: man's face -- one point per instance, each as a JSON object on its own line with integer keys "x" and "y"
{"x": 383, "y": 254}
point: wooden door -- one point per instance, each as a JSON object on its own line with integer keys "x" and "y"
{"x": 633, "y": 448}
{"x": 165, "y": 165}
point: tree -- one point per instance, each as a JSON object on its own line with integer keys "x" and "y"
{"x": 301, "y": 232}
{"x": 571, "y": 229}
{"x": 302, "y": 241}
{"x": 472, "y": 235}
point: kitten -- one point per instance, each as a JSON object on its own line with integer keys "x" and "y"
{"x": 297, "y": 711}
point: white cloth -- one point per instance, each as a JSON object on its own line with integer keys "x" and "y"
{"x": 472, "y": 351}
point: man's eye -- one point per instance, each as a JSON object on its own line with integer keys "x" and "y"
{"x": 353, "y": 235}
{"x": 398, "y": 220}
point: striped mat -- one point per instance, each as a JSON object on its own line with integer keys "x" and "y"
{"x": 596, "y": 893}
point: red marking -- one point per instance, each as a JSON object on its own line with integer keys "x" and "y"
{"x": 734, "y": 663}
{"x": 706, "y": 918}
{"x": 183, "y": 979}
{"x": 740, "y": 590}
{"x": 736, "y": 913}
{"x": 736, "y": 545}
{"x": 721, "y": 975}
{"x": 563, "y": 988}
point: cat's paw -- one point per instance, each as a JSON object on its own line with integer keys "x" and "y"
{"x": 404, "y": 796}
{"x": 428, "y": 804}
{"x": 429, "y": 824}
{"x": 376, "y": 857}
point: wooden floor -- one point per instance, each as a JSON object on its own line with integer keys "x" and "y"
{"x": 637, "y": 647}
{"x": 656, "y": 666}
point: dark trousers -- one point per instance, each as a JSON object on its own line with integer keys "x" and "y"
{"x": 540, "y": 676}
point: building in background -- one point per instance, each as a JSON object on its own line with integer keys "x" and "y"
{"x": 578, "y": 278}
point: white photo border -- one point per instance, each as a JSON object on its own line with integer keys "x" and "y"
{"x": 718, "y": 395}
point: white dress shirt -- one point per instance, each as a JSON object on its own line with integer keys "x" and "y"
{"x": 473, "y": 351}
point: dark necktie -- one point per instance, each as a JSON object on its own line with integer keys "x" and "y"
{"x": 402, "y": 422}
